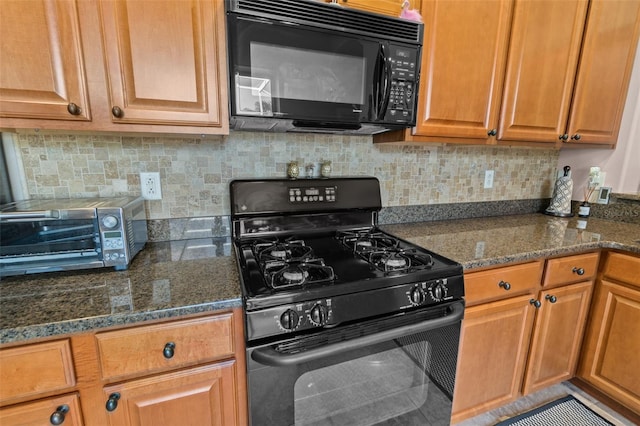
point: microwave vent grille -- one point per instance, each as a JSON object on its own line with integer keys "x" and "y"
{"x": 335, "y": 17}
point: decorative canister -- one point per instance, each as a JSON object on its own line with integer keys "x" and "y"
{"x": 293, "y": 170}
{"x": 584, "y": 210}
{"x": 325, "y": 169}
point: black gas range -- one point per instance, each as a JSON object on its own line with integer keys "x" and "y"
{"x": 311, "y": 256}
{"x": 345, "y": 323}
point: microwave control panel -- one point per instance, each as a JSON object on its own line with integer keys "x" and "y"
{"x": 404, "y": 69}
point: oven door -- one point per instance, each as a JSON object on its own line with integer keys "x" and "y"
{"x": 396, "y": 370}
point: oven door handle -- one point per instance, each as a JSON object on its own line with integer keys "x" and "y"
{"x": 269, "y": 356}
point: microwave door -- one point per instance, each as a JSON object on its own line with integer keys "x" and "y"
{"x": 304, "y": 74}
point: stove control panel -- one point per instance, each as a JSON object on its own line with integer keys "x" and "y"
{"x": 429, "y": 291}
{"x": 305, "y": 315}
{"x": 325, "y": 194}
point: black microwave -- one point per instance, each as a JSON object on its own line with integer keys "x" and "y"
{"x": 305, "y": 65}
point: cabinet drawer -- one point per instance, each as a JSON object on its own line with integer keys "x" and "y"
{"x": 40, "y": 412}
{"x": 501, "y": 282}
{"x": 34, "y": 369}
{"x": 564, "y": 270}
{"x": 623, "y": 267}
{"x": 164, "y": 346}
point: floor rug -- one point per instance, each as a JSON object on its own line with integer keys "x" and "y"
{"x": 564, "y": 411}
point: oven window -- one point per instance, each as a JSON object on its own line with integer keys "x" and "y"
{"x": 392, "y": 384}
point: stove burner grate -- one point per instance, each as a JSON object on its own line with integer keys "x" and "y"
{"x": 399, "y": 260}
{"x": 282, "y": 275}
{"x": 275, "y": 250}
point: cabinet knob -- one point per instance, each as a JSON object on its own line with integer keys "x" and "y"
{"x": 535, "y": 303}
{"x": 505, "y": 285}
{"x": 576, "y": 137}
{"x": 492, "y": 132}
{"x": 57, "y": 418}
{"x": 117, "y": 112}
{"x": 169, "y": 350}
{"x": 578, "y": 271}
{"x": 74, "y": 109}
{"x": 112, "y": 402}
{"x": 563, "y": 137}
{"x": 551, "y": 298}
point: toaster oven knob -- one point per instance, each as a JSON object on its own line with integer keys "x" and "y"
{"x": 417, "y": 295}
{"x": 318, "y": 314}
{"x": 289, "y": 319}
{"x": 109, "y": 221}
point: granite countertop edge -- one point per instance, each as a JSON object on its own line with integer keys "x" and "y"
{"x": 95, "y": 323}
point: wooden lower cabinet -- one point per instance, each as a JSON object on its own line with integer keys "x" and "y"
{"x": 611, "y": 353}
{"x": 64, "y": 410}
{"x": 493, "y": 352}
{"x": 527, "y": 340}
{"x": 557, "y": 336}
{"x": 199, "y": 396}
{"x": 185, "y": 371}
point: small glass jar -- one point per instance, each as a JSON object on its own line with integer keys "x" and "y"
{"x": 293, "y": 170}
{"x": 325, "y": 169}
{"x": 585, "y": 209}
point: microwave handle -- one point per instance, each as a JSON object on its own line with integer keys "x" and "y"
{"x": 269, "y": 356}
{"x": 385, "y": 85}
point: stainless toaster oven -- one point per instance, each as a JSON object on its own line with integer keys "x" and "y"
{"x": 66, "y": 234}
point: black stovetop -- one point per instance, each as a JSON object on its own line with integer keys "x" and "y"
{"x": 354, "y": 270}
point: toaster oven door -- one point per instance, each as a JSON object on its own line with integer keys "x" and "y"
{"x": 45, "y": 244}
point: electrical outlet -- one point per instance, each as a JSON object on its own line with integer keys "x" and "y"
{"x": 150, "y": 186}
{"x": 488, "y": 179}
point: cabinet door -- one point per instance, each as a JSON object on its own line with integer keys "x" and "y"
{"x": 557, "y": 336}
{"x": 41, "y": 412}
{"x": 611, "y": 354}
{"x": 42, "y": 73}
{"x": 385, "y": 7}
{"x": 493, "y": 351}
{"x": 543, "y": 56}
{"x": 162, "y": 61}
{"x": 462, "y": 67}
{"x": 197, "y": 397}
{"x": 608, "y": 51}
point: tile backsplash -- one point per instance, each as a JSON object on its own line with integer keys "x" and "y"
{"x": 195, "y": 172}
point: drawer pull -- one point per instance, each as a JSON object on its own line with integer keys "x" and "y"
{"x": 535, "y": 303}
{"x": 578, "y": 271}
{"x": 551, "y": 298}
{"x": 112, "y": 402}
{"x": 169, "y": 350}
{"x": 57, "y": 418}
{"x": 73, "y": 109}
{"x": 117, "y": 112}
{"x": 504, "y": 285}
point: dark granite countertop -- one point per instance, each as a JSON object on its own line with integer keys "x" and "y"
{"x": 183, "y": 277}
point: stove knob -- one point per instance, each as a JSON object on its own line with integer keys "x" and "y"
{"x": 438, "y": 291}
{"x": 289, "y": 319}
{"x": 318, "y": 314}
{"x": 417, "y": 295}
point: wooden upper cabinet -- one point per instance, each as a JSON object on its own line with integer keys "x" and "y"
{"x": 385, "y": 7}
{"x": 462, "y": 67}
{"x": 42, "y": 73}
{"x": 162, "y": 61}
{"x": 543, "y": 56}
{"x": 609, "y": 47}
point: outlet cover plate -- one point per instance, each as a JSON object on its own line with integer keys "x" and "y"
{"x": 150, "y": 186}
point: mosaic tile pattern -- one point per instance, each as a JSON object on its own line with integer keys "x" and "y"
{"x": 195, "y": 172}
